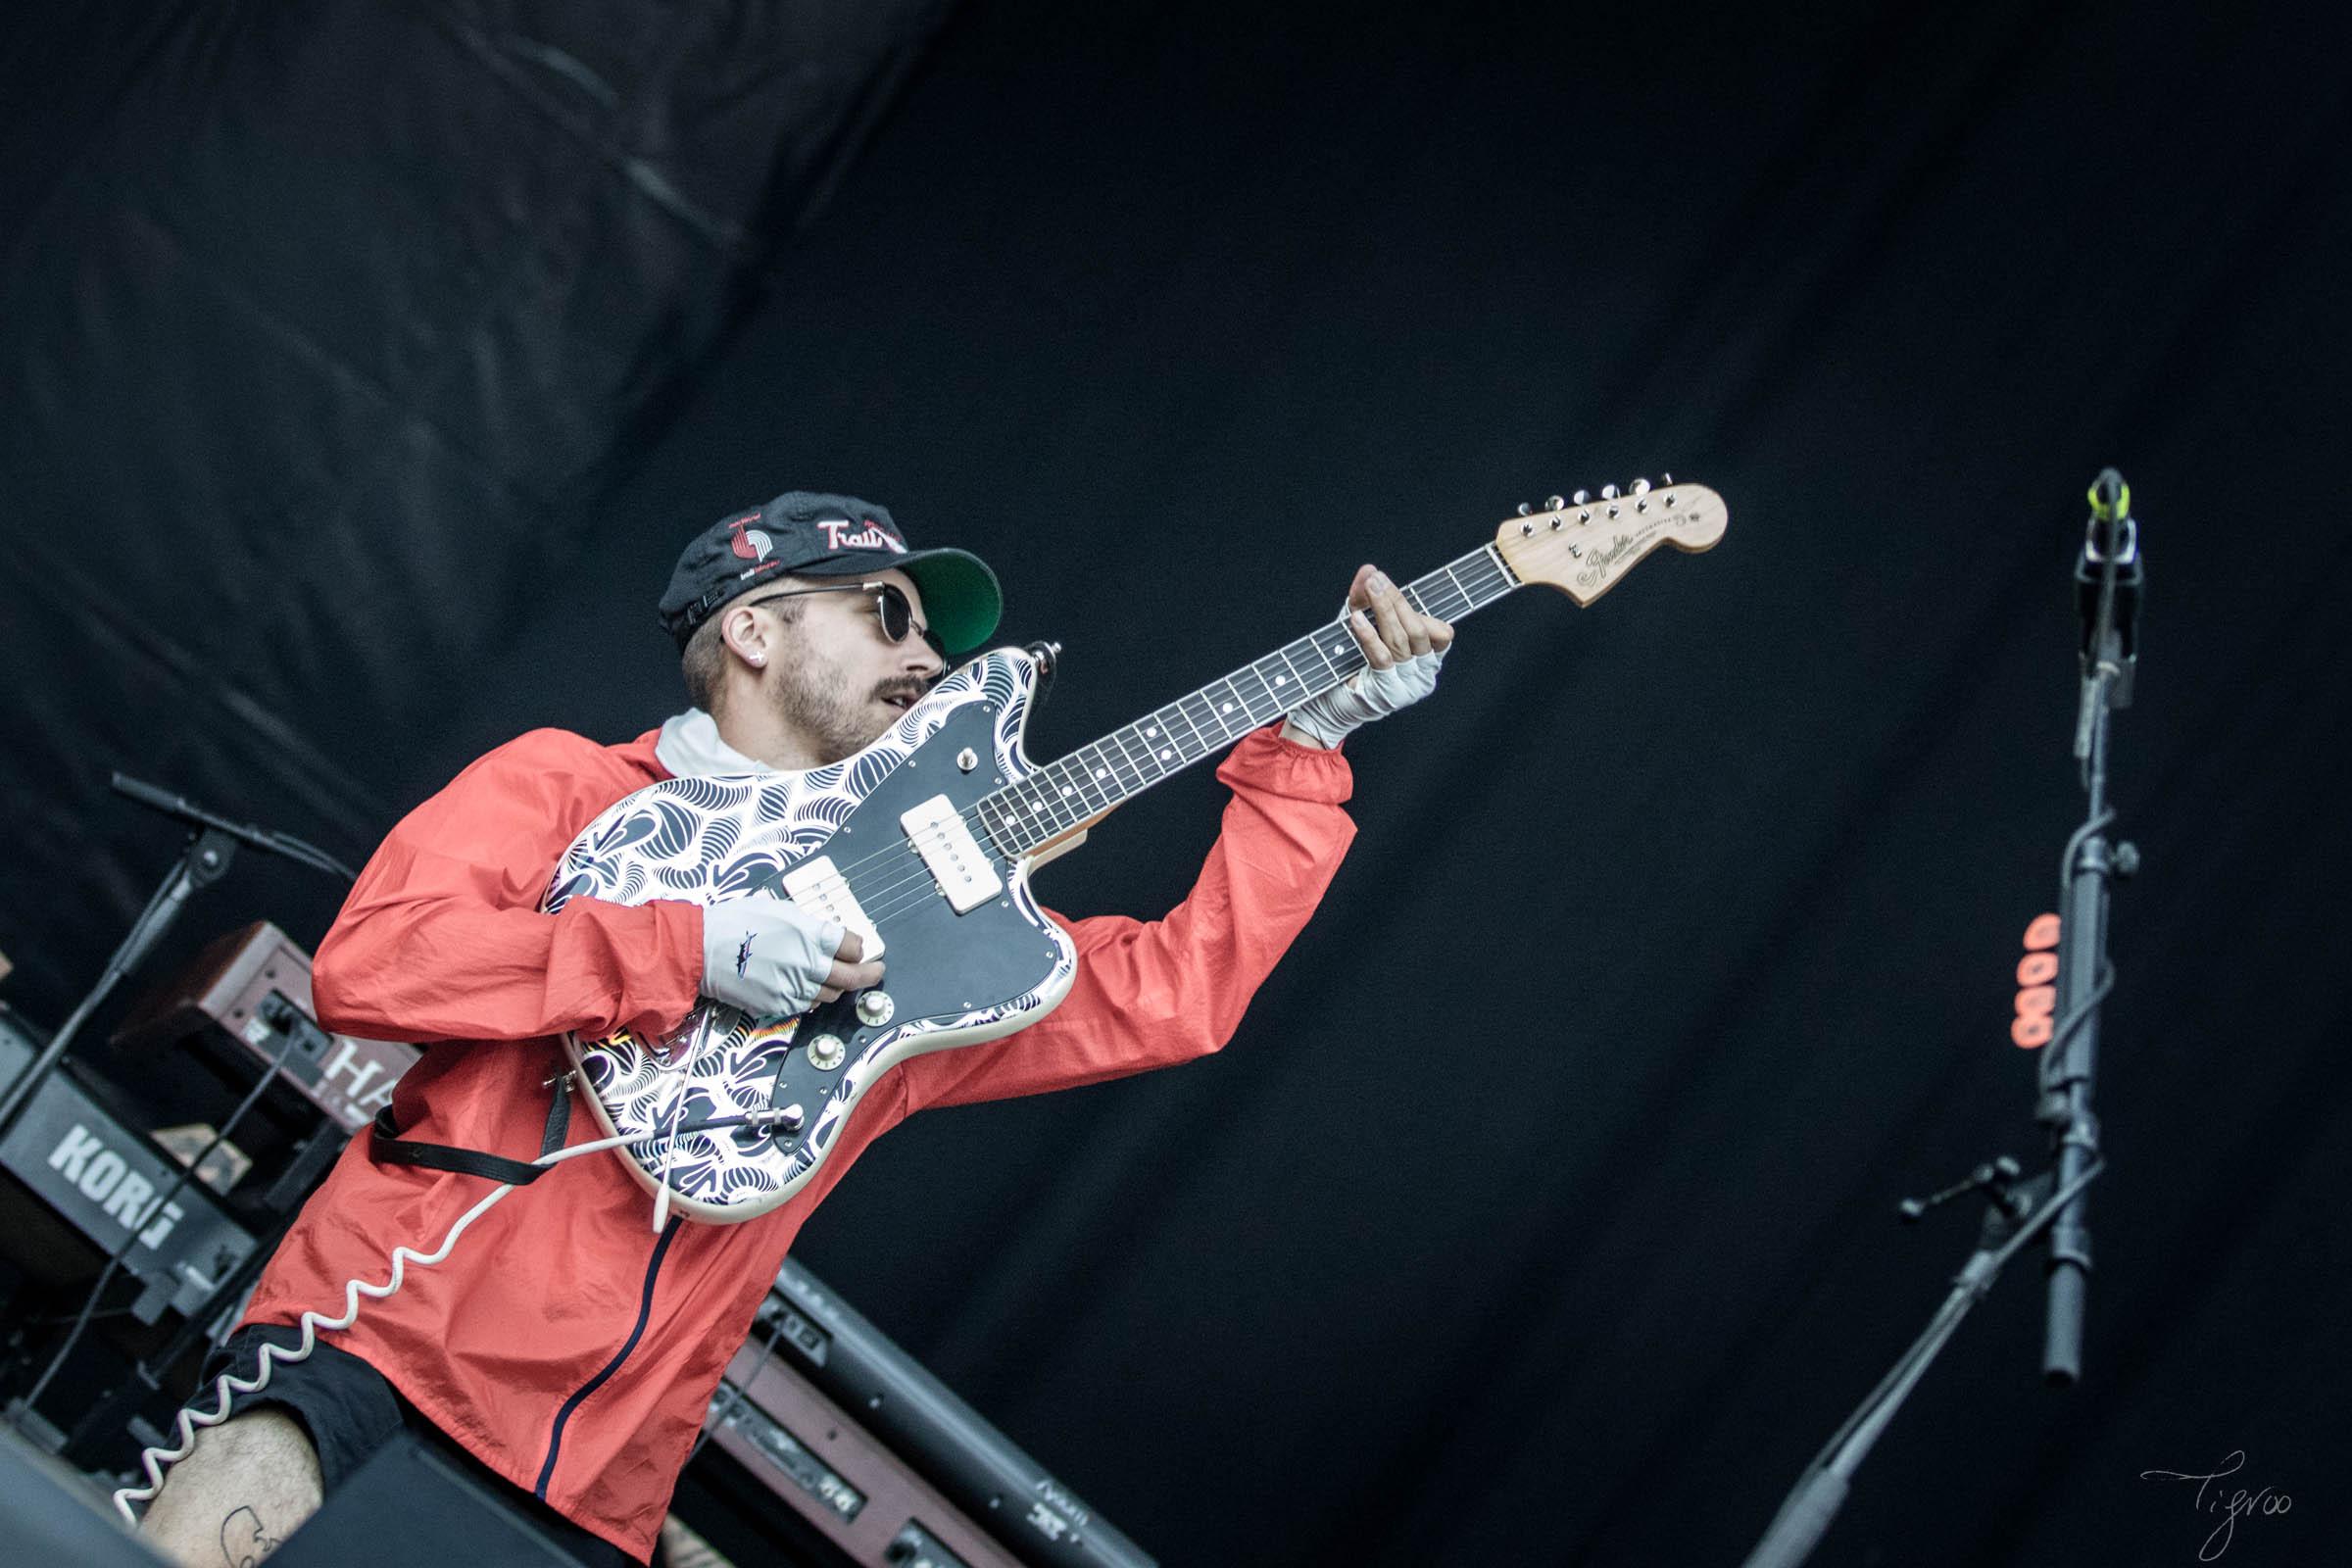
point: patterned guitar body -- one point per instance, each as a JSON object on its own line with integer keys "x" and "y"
{"x": 837, "y": 838}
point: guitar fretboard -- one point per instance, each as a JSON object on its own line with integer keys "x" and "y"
{"x": 1093, "y": 779}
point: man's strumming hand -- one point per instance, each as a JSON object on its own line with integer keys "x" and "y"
{"x": 770, "y": 958}
{"x": 1404, "y": 649}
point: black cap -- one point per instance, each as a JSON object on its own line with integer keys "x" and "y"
{"x": 804, "y": 534}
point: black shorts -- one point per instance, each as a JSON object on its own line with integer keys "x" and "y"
{"x": 350, "y": 1411}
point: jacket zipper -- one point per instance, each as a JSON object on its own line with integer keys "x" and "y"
{"x": 645, "y": 1312}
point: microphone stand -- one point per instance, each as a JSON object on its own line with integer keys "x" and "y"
{"x": 2107, "y": 578}
{"x": 212, "y": 845}
{"x": 2107, "y": 586}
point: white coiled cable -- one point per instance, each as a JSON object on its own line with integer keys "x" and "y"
{"x": 227, "y": 1386}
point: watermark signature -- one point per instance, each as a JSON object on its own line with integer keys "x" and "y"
{"x": 2233, "y": 1503}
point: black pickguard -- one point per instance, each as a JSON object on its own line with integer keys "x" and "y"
{"x": 937, "y": 965}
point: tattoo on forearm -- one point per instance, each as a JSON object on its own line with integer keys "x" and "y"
{"x": 244, "y": 1540}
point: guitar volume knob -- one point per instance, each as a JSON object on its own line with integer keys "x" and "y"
{"x": 826, "y": 1053}
{"x": 874, "y": 1008}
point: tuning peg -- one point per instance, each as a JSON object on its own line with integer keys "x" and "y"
{"x": 1582, "y": 496}
{"x": 1640, "y": 487}
{"x": 1608, "y": 492}
{"x": 1525, "y": 508}
{"x": 1553, "y": 503}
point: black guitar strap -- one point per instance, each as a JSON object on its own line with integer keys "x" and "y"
{"x": 387, "y": 1147}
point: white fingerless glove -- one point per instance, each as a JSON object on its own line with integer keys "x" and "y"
{"x": 766, "y": 956}
{"x": 1365, "y": 696}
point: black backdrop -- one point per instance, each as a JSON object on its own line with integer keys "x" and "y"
{"x": 364, "y": 367}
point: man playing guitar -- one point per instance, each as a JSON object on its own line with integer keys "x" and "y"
{"x": 563, "y": 1347}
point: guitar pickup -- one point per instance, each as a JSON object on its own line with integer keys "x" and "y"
{"x": 816, "y": 886}
{"x": 965, "y": 873}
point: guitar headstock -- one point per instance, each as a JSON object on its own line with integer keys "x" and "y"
{"x": 1582, "y": 544}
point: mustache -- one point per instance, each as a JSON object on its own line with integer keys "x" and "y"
{"x": 912, "y": 690}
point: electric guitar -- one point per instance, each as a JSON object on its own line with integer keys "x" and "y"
{"x": 923, "y": 844}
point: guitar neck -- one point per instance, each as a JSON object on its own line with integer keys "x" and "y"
{"x": 1078, "y": 788}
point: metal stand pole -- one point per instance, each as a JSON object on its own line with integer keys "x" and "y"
{"x": 2108, "y": 581}
{"x": 205, "y": 860}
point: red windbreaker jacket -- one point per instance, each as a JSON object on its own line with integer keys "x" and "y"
{"x": 563, "y": 1343}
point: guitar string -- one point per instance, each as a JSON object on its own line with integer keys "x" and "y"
{"x": 1351, "y": 658}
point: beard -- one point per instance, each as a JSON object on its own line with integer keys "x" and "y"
{"x": 814, "y": 695}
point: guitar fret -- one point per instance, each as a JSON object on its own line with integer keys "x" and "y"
{"x": 1007, "y": 832}
{"x": 1178, "y": 726}
{"x": 1306, "y": 680}
{"x": 1097, "y": 777}
{"x": 1343, "y": 651}
{"x": 1044, "y": 819}
{"x": 1242, "y": 682}
{"x": 1233, "y": 710}
{"x": 1158, "y": 754}
{"x": 1429, "y": 596}
{"x": 1162, "y": 739}
{"x": 1138, "y": 756}
{"x": 1063, "y": 781}
{"x": 1025, "y": 807}
{"x": 1279, "y": 685}
{"x": 1191, "y": 711}
{"x": 1204, "y": 721}
{"x": 1129, "y": 768}
{"x": 1090, "y": 772}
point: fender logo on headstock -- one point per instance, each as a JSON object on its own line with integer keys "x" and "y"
{"x": 1601, "y": 564}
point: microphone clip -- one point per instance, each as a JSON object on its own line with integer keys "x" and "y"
{"x": 2108, "y": 575}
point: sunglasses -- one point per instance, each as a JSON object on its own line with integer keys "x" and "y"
{"x": 890, "y": 604}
